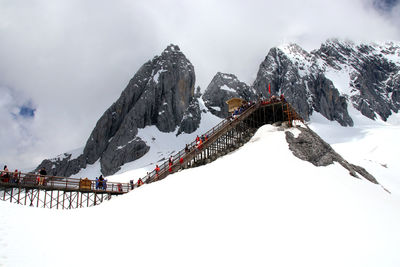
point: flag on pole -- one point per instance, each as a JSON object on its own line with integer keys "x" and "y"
{"x": 269, "y": 89}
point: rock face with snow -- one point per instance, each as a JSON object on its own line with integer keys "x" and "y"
{"x": 222, "y": 88}
{"x": 161, "y": 93}
{"x": 310, "y": 147}
{"x": 329, "y": 79}
{"x": 296, "y": 74}
{"x": 374, "y": 74}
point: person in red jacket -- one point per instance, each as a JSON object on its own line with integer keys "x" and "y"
{"x": 140, "y": 182}
{"x": 181, "y": 162}
{"x": 199, "y": 144}
{"x": 170, "y": 166}
{"x": 157, "y": 169}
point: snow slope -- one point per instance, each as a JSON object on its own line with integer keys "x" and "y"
{"x": 162, "y": 145}
{"x": 249, "y": 208}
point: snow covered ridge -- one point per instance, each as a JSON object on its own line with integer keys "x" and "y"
{"x": 365, "y": 76}
{"x": 334, "y": 80}
{"x": 277, "y": 206}
{"x": 339, "y": 76}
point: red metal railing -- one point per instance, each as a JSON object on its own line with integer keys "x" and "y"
{"x": 153, "y": 175}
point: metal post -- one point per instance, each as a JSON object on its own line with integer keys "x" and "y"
{"x": 19, "y": 193}
{"x": 58, "y": 198}
{"x": 45, "y": 194}
{"x": 51, "y": 199}
{"x": 12, "y": 190}
{"x": 37, "y": 202}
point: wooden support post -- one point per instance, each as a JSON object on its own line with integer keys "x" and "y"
{"x": 38, "y": 196}
{"x": 45, "y": 194}
{"x": 58, "y": 197}
{"x": 19, "y": 194}
{"x": 51, "y": 199}
{"x": 12, "y": 191}
{"x": 63, "y": 207}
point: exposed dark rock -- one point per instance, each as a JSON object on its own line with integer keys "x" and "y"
{"x": 159, "y": 94}
{"x": 222, "y": 88}
{"x": 303, "y": 84}
{"x": 310, "y": 147}
{"x": 375, "y": 79}
{"x": 191, "y": 118}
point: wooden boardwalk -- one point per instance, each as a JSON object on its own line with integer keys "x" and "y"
{"x": 227, "y": 136}
{"x": 70, "y": 193}
{"x": 57, "y": 192}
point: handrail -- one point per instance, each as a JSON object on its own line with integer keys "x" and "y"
{"x": 192, "y": 146}
{"x": 50, "y": 182}
{"x": 65, "y": 183}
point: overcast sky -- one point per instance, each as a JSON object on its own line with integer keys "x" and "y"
{"x": 63, "y": 63}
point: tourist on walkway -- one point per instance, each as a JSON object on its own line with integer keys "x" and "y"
{"x": 101, "y": 179}
{"x": 5, "y": 175}
{"x": 42, "y": 173}
{"x": 97, "y": 183}
{"x": 157, "y": 171}
{"x": 170, "y": 166}
{"x": 16, "y": 177}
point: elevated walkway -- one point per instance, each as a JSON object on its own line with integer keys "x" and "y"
{"x": 227, "y": 136}
{"x": 57, "y": 192}
{"x": 70, "y": 193}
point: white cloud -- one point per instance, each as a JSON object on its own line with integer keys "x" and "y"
{"x": 73, "y": 58}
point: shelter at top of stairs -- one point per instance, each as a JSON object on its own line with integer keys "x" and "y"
{"x": 235, "y": 103}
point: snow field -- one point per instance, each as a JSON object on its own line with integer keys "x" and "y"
{"x": 257, "y": 206}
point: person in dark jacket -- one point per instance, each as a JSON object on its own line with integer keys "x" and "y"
{"x": 101, "y": 179}
{"x": 42, "y": 173}
{"x": 5, "y": 175}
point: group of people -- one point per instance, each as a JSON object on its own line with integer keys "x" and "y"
{"x": 101, "y": 183}
{"x": 9, "y": 177}
{"x": 241, "y": 109}
{"x": 272, "y": 99}
{"x": 139, "y": 183}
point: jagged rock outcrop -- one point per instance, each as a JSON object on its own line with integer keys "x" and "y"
{"x": 310, "y": 147}
{"x": 328, "y": 80}
{"x": 191, "y": 118}
{"x": 374, "y": 74}
{"x": 222, "y": 88}
{"x": 161, "y": 93}
{"x": 302, "y": 82}
{"x": 338, "y": 74}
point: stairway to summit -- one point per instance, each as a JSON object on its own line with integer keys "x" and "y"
{"x": 47, "y": 191}
{"x": 227, "y": 136}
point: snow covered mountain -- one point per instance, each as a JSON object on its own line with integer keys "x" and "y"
{"x": 161, "y": 94}
{"x": 276, "y": 201}
{"x": 258, "y": 206}
{"x": 337, "y": 75}
{"x": 339, "y": 80}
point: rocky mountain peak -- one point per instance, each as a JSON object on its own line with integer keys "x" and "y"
{"x": 161, "y": 93}
{"x": 225, "y": 86}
